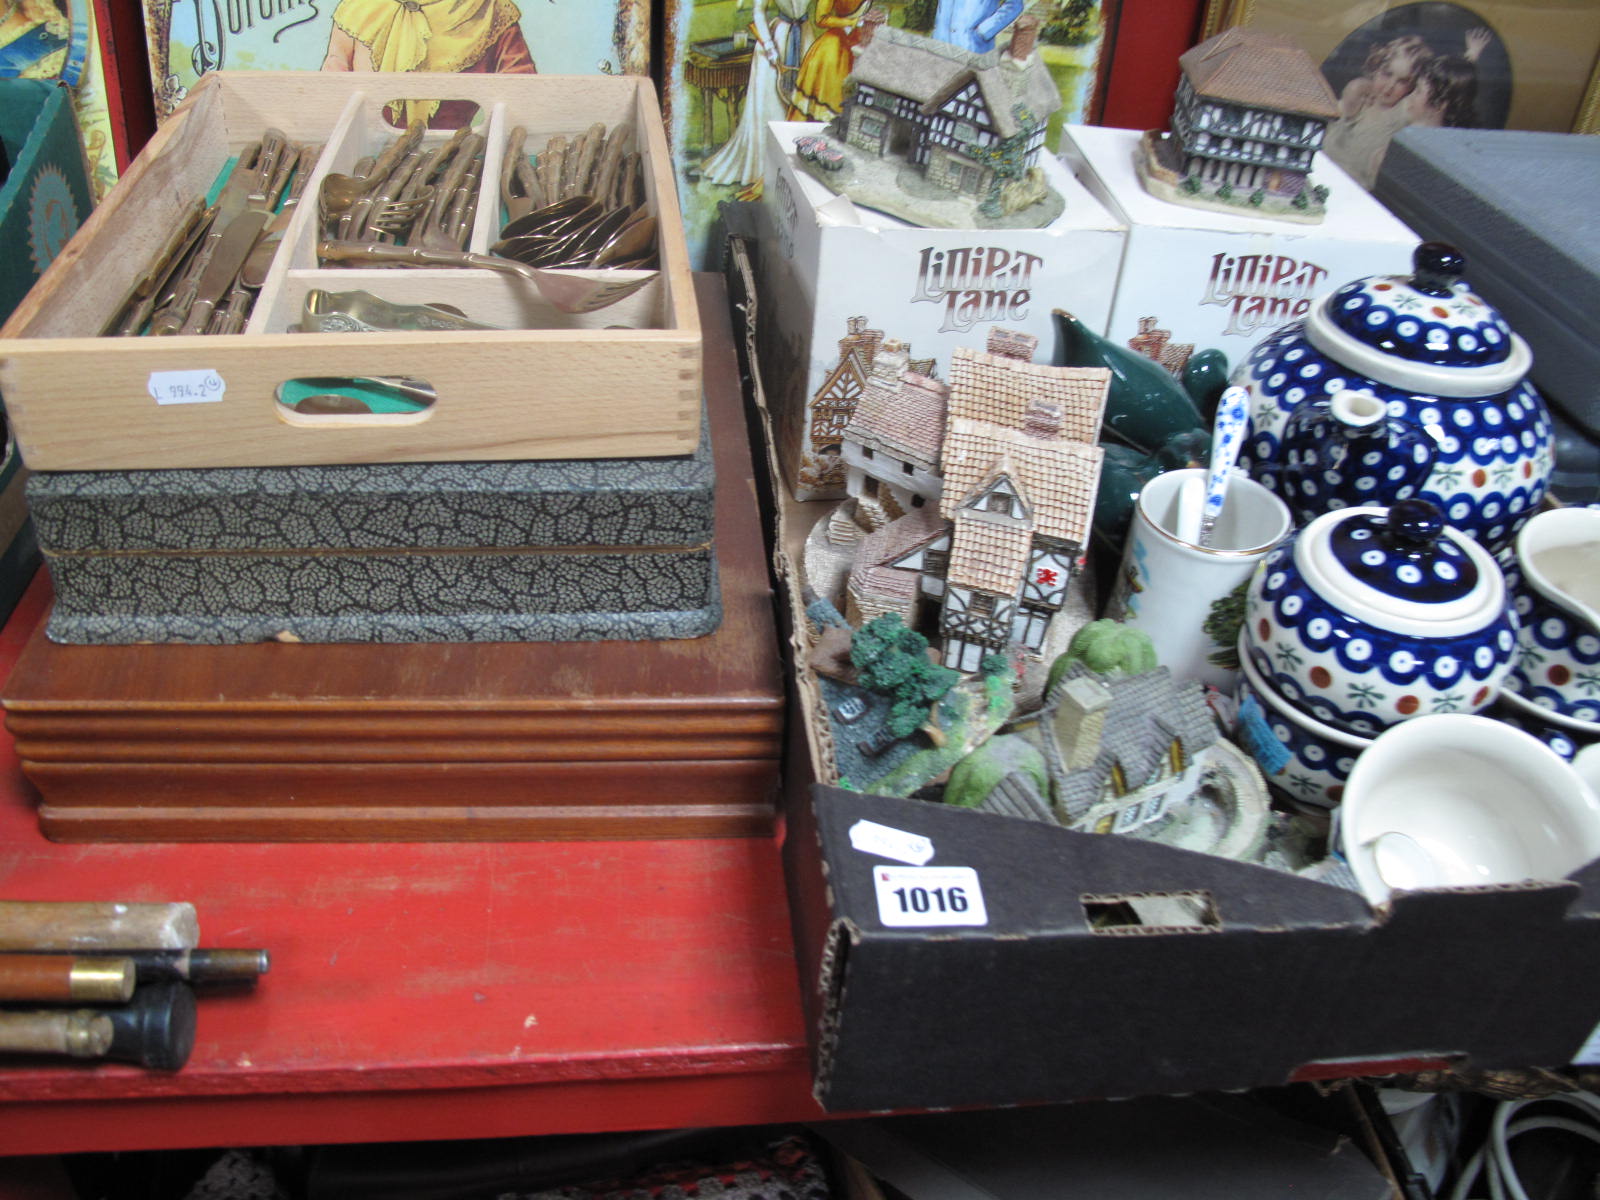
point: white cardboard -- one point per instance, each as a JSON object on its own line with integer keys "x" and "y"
{"x": 1224, "y": 281}
{"x": 831, "y": 261}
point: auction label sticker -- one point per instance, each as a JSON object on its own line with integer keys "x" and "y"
{"x": 927, "y": 897}
{"x": 186, "y": 387}
{"x": 888, "y": 842}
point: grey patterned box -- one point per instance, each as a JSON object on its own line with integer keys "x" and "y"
{"x": 399, "y": 552}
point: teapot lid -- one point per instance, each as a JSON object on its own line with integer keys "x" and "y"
{"x": 1401, "y": 569}
{"x": 1426, "y": 333}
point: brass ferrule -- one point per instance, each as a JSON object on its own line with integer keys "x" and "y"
{"x": 101, "y": 980}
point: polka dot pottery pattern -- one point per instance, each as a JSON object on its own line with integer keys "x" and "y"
{"x": 1319, "y": 761}
{"x": 1388, "y": 313}
{"x": 1558, "y": 652}
{"x": 1563, "y": 739}
{"x": 1491, "y": 458}
{"x": 1357, "y": 674}
{"x": 1343, "y": 450}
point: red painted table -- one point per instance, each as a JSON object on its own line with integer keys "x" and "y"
{"x": 433, "y": 990}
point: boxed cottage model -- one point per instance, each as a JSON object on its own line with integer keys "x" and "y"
{"x": 845, "y": 280}
{"x": 1194, "y": 279}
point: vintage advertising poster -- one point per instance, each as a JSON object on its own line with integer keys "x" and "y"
{"x": 558, "y": 37}
{"x": 734, "y": 65}
{"x": 57, "y": 39}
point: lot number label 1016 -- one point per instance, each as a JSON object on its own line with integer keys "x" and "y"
{"x": 929, "y": 896}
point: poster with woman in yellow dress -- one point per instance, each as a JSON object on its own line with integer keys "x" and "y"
{"x": 187, "y": 38}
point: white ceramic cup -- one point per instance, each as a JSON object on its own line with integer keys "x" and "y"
{"x": 1179, "y": 592}
{"x": 1452, "y": 800}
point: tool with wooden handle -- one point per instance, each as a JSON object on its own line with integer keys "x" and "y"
{"x": 155, "y": 1029}
{"x": 79, "y": 1034}
{"x": 199, "y": 967}
{"x": 87, "y": 926}
{"x": 65, "y": 979}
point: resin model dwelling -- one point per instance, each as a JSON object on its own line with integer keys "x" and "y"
{"x": 1018, "y": 468}
{"x": 947, "y": 110}
{"x": 1142, "y": 755}
{"x": 1250, "y": 114}
{"x": 923, "y": 119}
{"x": 891, "y": 445}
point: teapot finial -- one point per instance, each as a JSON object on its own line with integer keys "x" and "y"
{"x": 1435, "y": 267}
{"x": 1414, "y": 525}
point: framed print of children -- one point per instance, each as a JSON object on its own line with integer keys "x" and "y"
{"x": 1433, "y": 63}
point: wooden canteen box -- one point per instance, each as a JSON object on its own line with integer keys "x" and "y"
{"x": 547, "y": 385}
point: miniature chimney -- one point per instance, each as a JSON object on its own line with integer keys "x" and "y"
{"x": 1024, "y": 33}
{"x": 1080, "y": 720}
{"x": 1042, "y": 420}
{"x": 1011, "y": 343}
{"x": 858, "y": 337}
{"x": 889, "y": 363}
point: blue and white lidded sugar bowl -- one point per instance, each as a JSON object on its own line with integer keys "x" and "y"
{"x": 1393, "y": 388}
{"x": 1369, "y": 616}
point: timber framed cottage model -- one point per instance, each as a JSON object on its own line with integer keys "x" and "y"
{"x": 960, "y": 118}
{"x": 1250, "y": 112}
{"x": 1020, "y": 468}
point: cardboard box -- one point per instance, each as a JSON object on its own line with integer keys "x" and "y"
{"x": 1194, "y": 279}
{"x": 621, "y": 381}
{"x": 1285, "y": 978}
{"x": 844, "y": 279}
{"x": 46, "y": 193}
{"x": 1033, "y": 984}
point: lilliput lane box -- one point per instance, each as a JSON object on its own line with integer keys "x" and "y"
{"x": 845, "y": 280}
{"x": 1195, "y": 279}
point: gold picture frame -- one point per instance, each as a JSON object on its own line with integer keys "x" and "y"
{"x": 1554, "y": 43}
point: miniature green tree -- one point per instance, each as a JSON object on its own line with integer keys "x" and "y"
{"x": 1225, "y": 190}
{"x": 1222, "y": 626}
{"x": 1106, "y": 647}
{"x": 893, "y": 661}
{"x": 1258, "y": 197}
{"x": 979, "y": 773}
{"x": 1190, "y": 185}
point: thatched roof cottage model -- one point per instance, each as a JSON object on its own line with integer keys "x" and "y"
{"x": 970, "y": 125}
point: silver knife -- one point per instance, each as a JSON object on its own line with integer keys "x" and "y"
{"x": 226, "y": 259}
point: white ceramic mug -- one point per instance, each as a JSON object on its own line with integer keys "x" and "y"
{"x": 1453, "y": 800}
{"x": 1183, "y": 594}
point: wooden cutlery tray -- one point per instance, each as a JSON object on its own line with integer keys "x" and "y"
{"x": 622, "y": 381}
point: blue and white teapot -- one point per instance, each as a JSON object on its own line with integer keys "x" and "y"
{"x": 1396, "y": 388}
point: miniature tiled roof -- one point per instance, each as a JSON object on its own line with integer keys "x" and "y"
{"x": 1015, "y": 796}
{"x": 900, "y": 535}
{"x": 1259, "y": 70}
{"x": 1058, "y": 477}
{"x": 929, "y": 72}
{"x": 987, "y": 555}
{"x": 1147, "y": 711}
{"x": 870, "y": 576}
{"x": 905, "y": 419}
{"x": 991, "y": 387}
